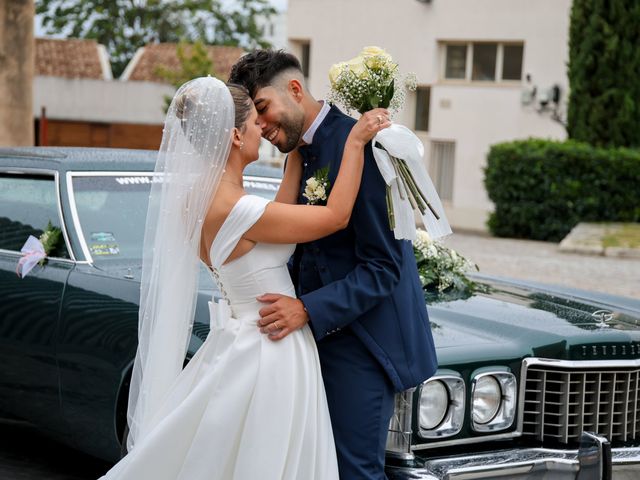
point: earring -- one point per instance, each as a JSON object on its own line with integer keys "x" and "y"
{"x": 241, "y": 145}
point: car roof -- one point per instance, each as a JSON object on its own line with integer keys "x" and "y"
{"x": 65, "y": 159}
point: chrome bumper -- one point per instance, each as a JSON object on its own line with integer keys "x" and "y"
{"x": 594, "y": 460}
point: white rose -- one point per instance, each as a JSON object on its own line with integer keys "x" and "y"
{"x": 320, "y": 192}
{"x": 308, "y": 194}
{"x": 312, "y": 183}
{"x": 357, "y": 67}
{"x": 334, "y": 72}
{"x": 374, "y": 52}
{"x": 423, "y": 236}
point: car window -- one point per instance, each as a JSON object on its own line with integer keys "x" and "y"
{"x": 27, "y": 205}
{"x": 112, "y": 212}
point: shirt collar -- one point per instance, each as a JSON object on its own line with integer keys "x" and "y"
{"x": 309, "y": 134}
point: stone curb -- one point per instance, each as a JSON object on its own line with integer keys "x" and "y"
{"x": 586, "y": 238}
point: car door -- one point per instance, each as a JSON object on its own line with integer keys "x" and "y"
{"x": 29, "y": 306}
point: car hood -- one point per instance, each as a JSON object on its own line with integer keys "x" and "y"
{"x": 509, "y": 320}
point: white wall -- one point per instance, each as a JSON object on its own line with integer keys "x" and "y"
{"x": 100, "y": 100}
{"x": 474, "y": 116}
{"x": 275, "y": 29}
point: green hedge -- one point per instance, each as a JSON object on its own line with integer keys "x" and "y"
{"x": 541, "y": 188}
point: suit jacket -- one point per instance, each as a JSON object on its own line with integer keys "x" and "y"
{"x": 361, "y": 277}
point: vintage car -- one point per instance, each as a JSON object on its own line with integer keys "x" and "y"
{"x": 533, "y": 381}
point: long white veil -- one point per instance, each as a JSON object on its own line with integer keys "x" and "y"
{"x": 195, "y": 145}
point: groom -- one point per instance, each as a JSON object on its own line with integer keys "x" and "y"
{"x": 358, "y": 289}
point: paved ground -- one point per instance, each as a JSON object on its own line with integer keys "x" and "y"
{"x": 25, "y": 454}
{"x": 543, "y": 262}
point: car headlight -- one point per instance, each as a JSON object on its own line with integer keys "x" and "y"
{"x": 493, "y": 400}
{"x": 441, "y": 409}
{"x": 487, "y": 398}
{"x": 434, "y": 404}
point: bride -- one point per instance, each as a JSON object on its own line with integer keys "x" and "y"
{"x": 245, "y": 406}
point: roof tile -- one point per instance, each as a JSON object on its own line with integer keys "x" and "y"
{"x": 165, "y": 54}
{"x": 68, "y": 58}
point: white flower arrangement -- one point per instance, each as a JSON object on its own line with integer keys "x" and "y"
{"x": 368, "y": 81}
{"x": 316, "y": 187}
{"x": 36, "y": 250}
{"x": 441, "y": 268}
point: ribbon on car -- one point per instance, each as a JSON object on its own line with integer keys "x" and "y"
{"x": 398, "y": 154}
{"x": 32, "y": 252}
{"x": 219, "y": 314}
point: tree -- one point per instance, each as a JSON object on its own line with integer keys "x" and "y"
{"x": 194, "y": 62}
{"x": 604, "y": 67}
{"x": 123, "y": 26}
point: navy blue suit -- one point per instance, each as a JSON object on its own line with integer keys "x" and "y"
{"x": 366, "y": 309}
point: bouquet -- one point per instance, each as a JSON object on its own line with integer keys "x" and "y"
{"x": 369, "y": 81}
{"x": 372, "y": 80}
{"x": 441, "y": 268}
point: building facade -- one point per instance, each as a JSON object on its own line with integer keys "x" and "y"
{"x": 78, "y": 103}
{"x": 487, "y": 72}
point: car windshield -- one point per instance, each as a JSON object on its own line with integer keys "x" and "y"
{"x": 112, "y": 212}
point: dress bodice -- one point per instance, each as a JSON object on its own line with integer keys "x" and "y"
{"x": 263, "y": 269}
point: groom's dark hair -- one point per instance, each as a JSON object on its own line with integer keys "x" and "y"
{"x": 257, "y": 69}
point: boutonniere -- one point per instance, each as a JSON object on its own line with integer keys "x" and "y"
{"x": 317, "y": 187}
{"x": 36, "y": 250}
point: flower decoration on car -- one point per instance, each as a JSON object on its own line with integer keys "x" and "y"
{"x": 36, "y": 250}
{"x": 441, "y": 268}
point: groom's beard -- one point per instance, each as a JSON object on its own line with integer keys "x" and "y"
{"x": 291, "y": 126}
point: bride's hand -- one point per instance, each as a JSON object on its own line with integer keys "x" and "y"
{"x": 369, "y": 124}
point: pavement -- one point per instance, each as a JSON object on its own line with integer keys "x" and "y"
{"x": 546, "y": 262}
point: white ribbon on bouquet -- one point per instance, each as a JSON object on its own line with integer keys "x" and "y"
{"x": 398, "y": 153}
{"x": 32, "y": 252}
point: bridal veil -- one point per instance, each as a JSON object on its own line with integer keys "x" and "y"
{"x": 195, "y": 145}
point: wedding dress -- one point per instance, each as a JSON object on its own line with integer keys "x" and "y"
{"x": 245, "y": 407}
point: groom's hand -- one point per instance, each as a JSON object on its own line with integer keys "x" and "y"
{"x": 282, "y": 316}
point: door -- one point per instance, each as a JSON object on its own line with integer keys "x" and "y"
{"x": 29, "y": 306}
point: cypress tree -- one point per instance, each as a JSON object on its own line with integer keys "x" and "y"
{"x": 604, "y": 72}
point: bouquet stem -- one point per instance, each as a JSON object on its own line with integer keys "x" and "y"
{"x": 392, "y": 219}
{"x": 419, "y": 196}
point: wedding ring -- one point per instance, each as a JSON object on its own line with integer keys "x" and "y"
{"x": 379, "y": 117}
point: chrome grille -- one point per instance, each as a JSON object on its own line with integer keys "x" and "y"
{"x": 561, "y": 402}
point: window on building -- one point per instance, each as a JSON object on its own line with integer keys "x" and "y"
{"x": 456, "y": 61}
{"x": 483, "y": 61}
{"x": 305, "y": 58}
{"x": 301, "y": 48}
{"x": 512, "y": 62}
{"x": 441, "y": 168}
{"x": 423, "y": 101}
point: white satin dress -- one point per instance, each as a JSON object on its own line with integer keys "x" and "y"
{"x": 245, "y": 407}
